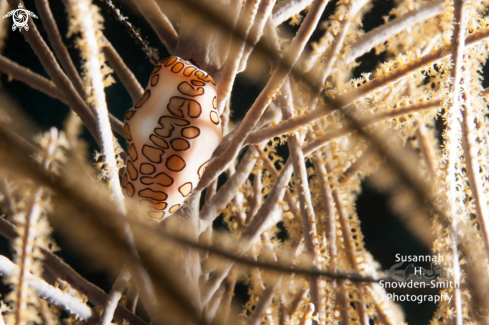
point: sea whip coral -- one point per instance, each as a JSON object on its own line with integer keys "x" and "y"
{"x": 338, "y": 130}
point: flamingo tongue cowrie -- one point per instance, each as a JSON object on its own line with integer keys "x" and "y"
{"x": 171, "y": 133}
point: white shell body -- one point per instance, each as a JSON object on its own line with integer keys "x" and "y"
{"x": 171, "y": 133}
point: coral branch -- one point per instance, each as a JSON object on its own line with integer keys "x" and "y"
{"x": 55, "y": 296}
{"x": 264, "y": 302}
{"x": 160, "y": 23}
{"x": 453, "y": 132}
{"x": 29, "y": 234}
{"x": 93, "y": 67}
{"x": 212, "y": 209}
{"x": 403, "y": 72}
{"x": 64, "y": 272}
{"x": 426, "y": 147}
{"x": 283, "y": 10}
{"x": 58, "y": 46}
{"x": 114, "y": 297}
{"x": 238, "y": 46}
{"x": 334, "y": 49}
{"x": 46, "y": 86}
{"x": 264, "y": 11}
{"x": 323, "y": 140}
{"x": 288, "y": 196}
{"x": 59, "y": 78}
{"x": 132, "y": 297}
{"x": 30, "y": 78}
{"x": 351, "y": 171}
{"x": 265, "y": 97}
{"x": 473, "y": 168}
{"x": 126, "y": 76}
{"x": 304, "y": 194}
{"x": 386, "y": 31}
{"x": 150, "y": 52}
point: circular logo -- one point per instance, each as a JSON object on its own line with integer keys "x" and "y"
{"x": 20, "y": 17}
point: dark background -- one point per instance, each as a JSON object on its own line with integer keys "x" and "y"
{"x": 384, "y": 235}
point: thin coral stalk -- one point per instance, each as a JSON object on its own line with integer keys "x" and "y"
{"x": 94, "y": 294}
{"x": 4, "y": 27}
{"x": 344, "y": 300}
{"x": 252, "y": 231}
{"x": 403, "y": 72}
{"x": 257, "y": 196}
{"x": 238, "y": 202}
{"x": 160, "y": 23}
{"x": 308, "y": 313}
{"x": 335, "y": 48}
{"x": 238, "y": 46}
{"x": 453, "y": 130}
{"x": 347, "y": 238}
{"x": 384, "y": 314}
{"x": 211, "y": 309}
{"x": 272, "y": 282}
{"x": 55, "y": 296}
{"x": 30, "y": 78}
{"x": 46, "y": 313}
{"x": 273, "y": 86}
{"x": 272, "y": 114}
{"x": 327, "y": 204}
{"x": 262, "y": 15}
{"x": 132, "y": 297}
{"x": 303, "y": 120}
{"x": 426, "y": 147}
{"x": 67, "y": 63}
{"x": 343, "y": 216}
{"x": 46, "y": 86}
{"x": 473, "y": 168}
{"x": 296, "y": 302}
{"x": 304, "y": 194}
{"x": 28, "y": 237}
{"x": 351, "y": 171}
{"x": 57, "y": 75}
{"x": 126, "y": 76}
{"x": 384, "y": 32}
{"x": 283, "y": 10}
{"x": 264, "y": 302}
{"x": 150, "y": 52}
{"x": 228, "y": 295}
{"x": 211, "y": 209}
{"x": 58, "y": 46}
{"x": 93, "y": 67}
{"x": 26, "y": 258}
{"x": 323, "y": 140}
{"x": 285, "y": 126}
{"x": 114, "y": 297}
{"x": 274, "y": 173}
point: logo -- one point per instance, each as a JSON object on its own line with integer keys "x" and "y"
{"x": 411, "y": 270}
{"x": 434, "y": 281}
{"x": 20, "y": 17}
